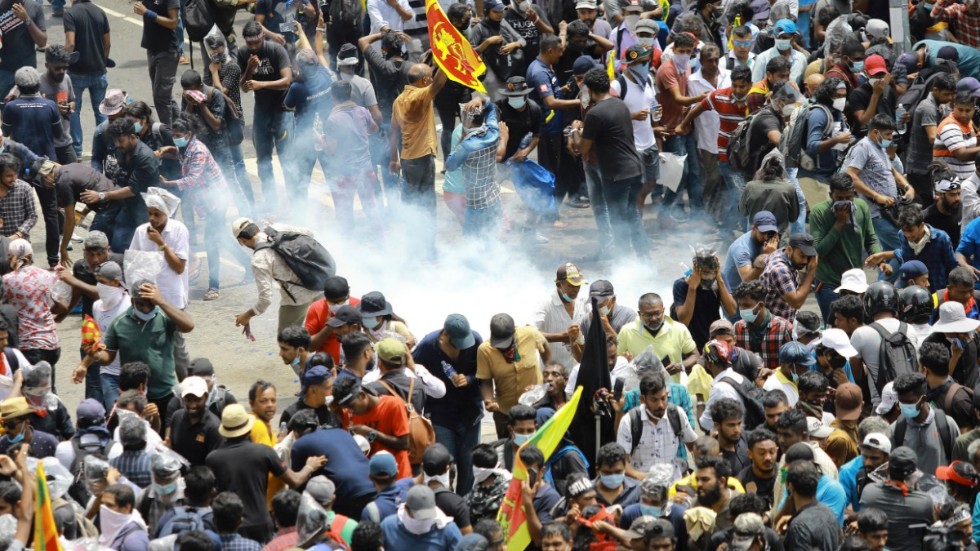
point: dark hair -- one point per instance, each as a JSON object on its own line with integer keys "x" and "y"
{"x": 296, "y": 336}
{"x": 186, "y": 123}
{"x": 794, "y": 420}
{"x": 259, "y": 387}
{"x": 960, "y": 276}
{"x": 596, "y": 79}
{"x": 610, "y": 454}
{"x": 520, "y": 412}
{"x": 812, "y": 381}
{"x": 684, "y": 41}
{"x": 939, "y": 170}
{"x": 910, "y": 216}
{"x": 484, "y": 456}
{"x": 354, "y": 344}
{"x": 849, "y": 306}
{"x": 934, "y": 357}
{"x": 710, "y": 49}
{"x": 457, "y": 10}
{"x": 531, "y": 455}
{"x": 719, "y": 464}
{"x": 826, "y": 93}
{"x": 852, "y": 45}
{"x": 742, "y": 31}
{"x": 228, "y": 510}
{"x": 881, "y": 123}
{"x": 190, "y": 79}
{"x": 132, "y": 397}
{"x": 778, "y": 64}
{"x": 285, "y": 505}
{"x": 759, "y": 435}
{"x": 487, "y": 528}
{"x": 652, "y": 383}
{"x": 841, "y": 182}
{"x": 8, "y": 160}
{"x": 199, "y": 482}
{"x": 140, "y": 110}
{"x": 341, "y": 90}
{"x": 577, "y": 27}
{"x": 194, "y": 540}
{"x": 965, "y": 98}
{"x": 249, "y": 231}
{"x": 749, "y": 502}
{"x": 121, "y": 127}
{"x": 755, "y": 290}
{"x": 910, "y": 382}
{"x": 343, "y": 386}
{"x": 945, "y": 82}
{"x": 727, "y": 408}
{"x": 871, "y": 520}
{"x": 123, "y": 493}
{"x": 10, "y": 491}
{"x": 804, "y": 477}
{"x": 252, "y": 29}
{"x": 773, "y": 398}
{"x": 556, "y": 529}
{"x": 547, "y": 42}
{"x": 742, "y": 73}
{"x": 368, "y": 535}
{"x": 322, "y": 358}
{"x": 827, "y": 15}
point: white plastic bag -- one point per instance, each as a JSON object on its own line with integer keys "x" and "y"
{"x": 142, "y": 265}
{"x": 671, "y": 170}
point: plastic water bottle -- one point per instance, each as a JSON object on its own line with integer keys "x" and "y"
{"x": 900, "y": 113}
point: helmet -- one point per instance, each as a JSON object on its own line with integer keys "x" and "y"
{"x": 881, "y": 296}
{"x": 913, "y": 303}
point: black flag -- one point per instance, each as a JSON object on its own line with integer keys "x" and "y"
{"x": 592, "y": 423}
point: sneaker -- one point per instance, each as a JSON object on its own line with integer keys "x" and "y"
{"x": 75, "y": 238}
{"x": 578, "y": 203}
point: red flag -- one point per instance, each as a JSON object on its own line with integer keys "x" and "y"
{"x": 452, "y": 51}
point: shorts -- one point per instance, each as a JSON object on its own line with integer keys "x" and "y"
{"x": 650, "y": 157}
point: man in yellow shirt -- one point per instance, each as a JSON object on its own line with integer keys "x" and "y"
{"x": 262, "y": 401}
{"x": 671, "y": 340}
{"x": 507, "y": 365}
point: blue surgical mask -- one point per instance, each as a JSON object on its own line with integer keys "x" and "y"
{"x": 371, "y": 323}
{"x": 612, "y": 481}
{"x": 17, "y": 439}
{"x": 910, "y": 411}
{"x": 604, "y": 310}
{"x": 565, "y": 297}
{"x": 795, "y": 378}
{"x": 181, "y": 142}
{"x": 927, "y": 6}
{"x": 651, "y": 511}
{"x": 783, "y": 44}
{"x": 165, "y": 490}
{"x": 748, "y": 315}
{"x": 885, "y": 144}
{"x": 857, "y": 66}
{"x": 137, "y": 127}
{"x": 517, "y": 102}
{"x": 519, "y": 439}
{"x": 641, "y": 71}
{"x": 145, "y": 316}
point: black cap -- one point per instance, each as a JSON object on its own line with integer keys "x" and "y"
{"x": 502, "y": 331}
{"x": 662, "y": 528}
{"x": 374, "y": 304}
{"x": 516, "y": 87}
{"x": 799, "y": 452}
{"x": 201, "y": 367}
{"x": 901, "y": 463}
{"x": 436, "y": 459}
{"x": 346, "y": 315}
{"x": 303, "y": 419}
{"x": 336, "y": 288}
{"x": 601, "y": 289}
{"x": 804, "y": 242}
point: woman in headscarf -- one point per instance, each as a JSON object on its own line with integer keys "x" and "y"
{"x": 772, "y": 191}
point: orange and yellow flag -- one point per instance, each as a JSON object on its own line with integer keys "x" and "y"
{"x": 511, "y": 515}
{"x": 452, "y": 51}
{"x": 91, "y": 334}
{"x": 45, "y": 531}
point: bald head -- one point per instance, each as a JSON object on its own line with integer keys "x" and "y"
{"x": 812, "y": 82}
{"x": 418, "y": 73}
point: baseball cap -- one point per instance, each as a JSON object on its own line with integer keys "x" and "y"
{"x": 748, "y": 526}
{"x": 910, "y": 270}
{"x": 321, "y": 489}
{"x": 582, "y": 65}
{"x": 721, "y": 327}
{"x": 877, "y": 28}
{"x": 391, "y": 351}
{"x": 661, "y": 528}
{"x": 838, "y": 341}
{"x": 909, "y": 60}
{"x": 637, "y": 52}
{"x": 875, "y": 65}
{"x": 109, "y": 270}
{"x": 969, "y": 84}
{"x": 601, "y": 289}
{"x": 804, "y": 242}
{"x": 436, "y": 458}
{"x": 959, "y": 472}
{"x": 458, "y": 329}
{"x": 96, "y": 240}
{"x": 502, "y": 331}
{"x": 848, "y": 401}
{"x": 948, "y": 53}
{"x": 313, "y": 376}
{"x": 888, "y": 399}
{"x": 238, "y": 225}
{"x": 784, "y": 26}
{"x": 902, "y": 462}
{"x": 796, "y": 353}
{"x": 347, "y": 55}
{"x": 345, "y": 315}
{"x": 336, "y": 288}
{"x": 586, "y": 5}
{"x": 493, "y": 5}
{"x": 570, "y": 273}
{"x": 817, "y": 429}
{"x": 421, "y": 501}
{"x": 383, "y": 464}
{"x": 877, "y": 441}
{"x": 90, "y": 412}
{"x": 639, "y": 527}
{"x": 765, "y": 221}
{"x": 201, "y": 367}
{"x": 193, "y": 386}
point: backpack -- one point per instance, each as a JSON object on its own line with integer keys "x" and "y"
{"x": 77, "y": 490}
{"x": 792, "y": 144}
{"x": 549, "y": 477}
{"x": 917, "y": 92}
{"x": 896, "y": 355}
{"x": 84, "y": 526}
{"x": 623, "y": 85}
{"x": 304, "y": 255}
{"x": 942, "y": 424}
{"x": 421, "y": 435}
{"x": 740, "y": 154}
{"x": 951, "y": 394}
{"x": 184, "y": 519}
{"x": 752, "y": 397}
{"x": 198, "y": 19}
{"x": 636, "y": 426}
{"x": 346, "y": 13}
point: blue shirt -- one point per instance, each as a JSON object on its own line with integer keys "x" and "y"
{"x": 847, "y": 476}
{"x": 816, "y": 125}
{"x": 33, "y": 121}
{"x": 741, "y": 253}
{"x": 970, "y": 246}
{"x": 461, "y": 406}
{"x": 310, "y": 95}
{"x": 937, "y": 256}
{"x": 675, "y": 515}
{"x": 346, "y": 464}
{"x": 388, "y": 500}
{"x": 846, "y": 368}
{"x": 397, "y": 537}
{"x": 968, "y": 63}
{"x": 830, "y": 493}
{"x": 543, "y": 83}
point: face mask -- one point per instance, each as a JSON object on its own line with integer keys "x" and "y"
{"x": 641, "y": 71}
{"x": 681, "y": 61}
{"x": 783, "y": 44}
{"x": 181, "y": 142}
{"x": 165, "y": 490}
{"x": 334, "y": 307}
{"x": 748, "y": 315}
{"x": 520, "y": 439}
{"x": 651, "y": 511}
{"x": 480, "y": 474}
{"x": 371, "y": 323}
{"x": 927, "y": 6}
{"x": 110, "y": 296}
{"x": 517, "y": 103}
{"x": 645, "y": 40}
{"x": 612, "y": 481}
{"x": 885, "y": 144}
{"x": 137, "y": 127}
{"x": 604, "y": 310}
{"x": 217, "y": 58}
{"x": 788, "y": 110}
{"x": 145, "y": 316}
{"x": 414, "y": 525}
{"x": 874, "y": 81}
{"x": 110, "y": 522}
{"x": 19, "y": 438}
{"x": 346, "y": 77}
{"x": 296, "y": 367}
{"x": 910, "y": 411}
{"x": 857, "y": 66}
{"x": 523, "y": 7}
{"x": 795, "y": 378}
{"x": 839, "y": 104}
{"x": 440, "y": 478}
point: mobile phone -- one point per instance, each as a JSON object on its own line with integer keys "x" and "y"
{"x": 665, "y": 360}
{"x": 532, "y": 477}
{"x": 618, "y": 389}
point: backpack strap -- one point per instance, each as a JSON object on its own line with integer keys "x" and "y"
{"x": 12, "y": 362}
{"x": 393, "y": 392}
{"x": 675, "y": 422}
{"x": 621, "y": 79}
{"x": 945, "y": 434}
{"x": 735, "y": 386}
{"x": 373, "y": 513}
{"x": 636, "y": 428}
{"x": 950, "y": 395}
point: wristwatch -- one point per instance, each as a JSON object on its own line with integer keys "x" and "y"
{"x": 372, "y": 435}
{"x": 101, "y": 196}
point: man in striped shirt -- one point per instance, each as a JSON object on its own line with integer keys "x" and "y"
{"x": 955, "y": 142}
{"x": 731, "y": 106}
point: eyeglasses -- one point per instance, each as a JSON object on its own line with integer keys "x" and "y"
{"x": 10, "y": 425}
{"x": 742, "y": 43}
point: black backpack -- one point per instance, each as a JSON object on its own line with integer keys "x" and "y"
{"x": 624, "y": 84}
{"x": 185, "y": 519}
{"x": 198, "y": 19}
{"x": 752, "y": 397}
{"x": 741, "y": 157}
{"x": 917, "y": 92}
{"x": 77, "y": 490}
{"x": 896, "y": 355}
{"x": 942, "y": 424}
{"x": 304, "y": 255}
{"x": 636, "y": 425}
{"x": 346, "y": 13}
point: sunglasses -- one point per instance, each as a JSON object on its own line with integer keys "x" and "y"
{"x": 10, "y": 425}
{"x": 742, "y": 43}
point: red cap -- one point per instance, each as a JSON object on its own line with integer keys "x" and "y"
{"x": 875, "y": 64}
{"x": 959, "y": 472}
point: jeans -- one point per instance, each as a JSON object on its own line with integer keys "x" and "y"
{"x": 734, "y": 183}
{"x": 244, "y": 181}
{"x": 6, "y": 82}
{"x": 460, "y": 440}
{"x": 52, "y": 230}
{"x": 481, "y": 222}
{"x": 447, "y": 116}
{"x": 553, "y": 155}
{"x": 216, "y": 237}
{"x": 305, "y": 159}
{"x": 35, "y": 355}
{"x": 93, "y": 380}
{"x": 268, "y": 130}
{"x": 163, "y": 72}
{"x": 888, "y": 236}
{"x": 96, "y": 84}
{"x": 798, "y": 225}
{"x": 825, "y": 296}
{"x": 620, "y": 198}
{"x": 600, "y": 211}
{"x": 110, "y": 390}
{"x": 691, "y": 177}
{"x": 343, "y": 189}
{"x": 418, "y": 190}
{"x": 921, "y": 182}
{"x": 180, "y": 27}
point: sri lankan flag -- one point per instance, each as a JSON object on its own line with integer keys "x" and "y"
{"x": 452, "y": 51}
{"x": 45, "y": 531}
{"x": 511, "y": 515}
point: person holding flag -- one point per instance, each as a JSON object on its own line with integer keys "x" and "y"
{"x": 113, "y": 302}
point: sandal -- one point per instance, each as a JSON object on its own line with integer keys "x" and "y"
{"x": 212, "y": 294}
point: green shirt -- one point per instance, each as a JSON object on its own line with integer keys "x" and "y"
{"x": 841, "y": 250}
{"x": 346, "y": 531}
{"x": 149, "y": 342}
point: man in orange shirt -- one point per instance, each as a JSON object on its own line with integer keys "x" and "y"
{"x": 324, "y": 337}
{"x": 383, "y": 420}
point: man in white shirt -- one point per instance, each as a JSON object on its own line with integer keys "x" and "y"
{"x": 388, "y": 14}
{"x": 635, "y": 88}
{"x": 113, "y": 302}
{"x": 558, "y": 319}
{"x": 172, "y": 240}
{"x": 718, "y": 363}
{"x": 707, "y": 126}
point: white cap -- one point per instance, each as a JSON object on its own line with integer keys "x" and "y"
{"x": 193, "y": 386}
{"x": 817, "y": 429}
{"x": 952, "y": 319}
{"x": 878, "y": 441}
{"x": 888, "y": 399}
{"x": 837, "y": 340}
{"x": 853, "y": 280}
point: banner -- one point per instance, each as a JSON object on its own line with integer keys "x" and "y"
{"x": 451, "y": 50}
{"x": 511, "y": 514}
{"x": 45, "y": 530}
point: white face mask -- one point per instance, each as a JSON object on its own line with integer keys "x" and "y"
{"x": 839, "y": 104}
{"x": 788, "y": 109}
{"x": 111, "y": 296}
{"x": 681, "y": 61}
{"x": 480, "y": 474}
{"x": 414, "y": 525}
{"x": 334, "y": 307}
{"x": 110, "y": 522}
{"x": 440, "y": 478}
{"x": 346, "y": 77}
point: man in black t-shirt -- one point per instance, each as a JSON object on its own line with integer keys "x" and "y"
{"x": 522, "y": 116}
{"x": 760, "y": 476}
{"x": 266, "y": 71}
{"x": 86, "y": 32}
{"x": 530, "y": 21}
{"x": 946, "y": 212}
{"x": 160, "y": 42}
{"x": 22, "y": 28}
{"x": 698, "y": 298}
{"x": 436, "y": 464}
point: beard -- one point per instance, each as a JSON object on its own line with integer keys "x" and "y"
{"x": 709, "y": 497}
